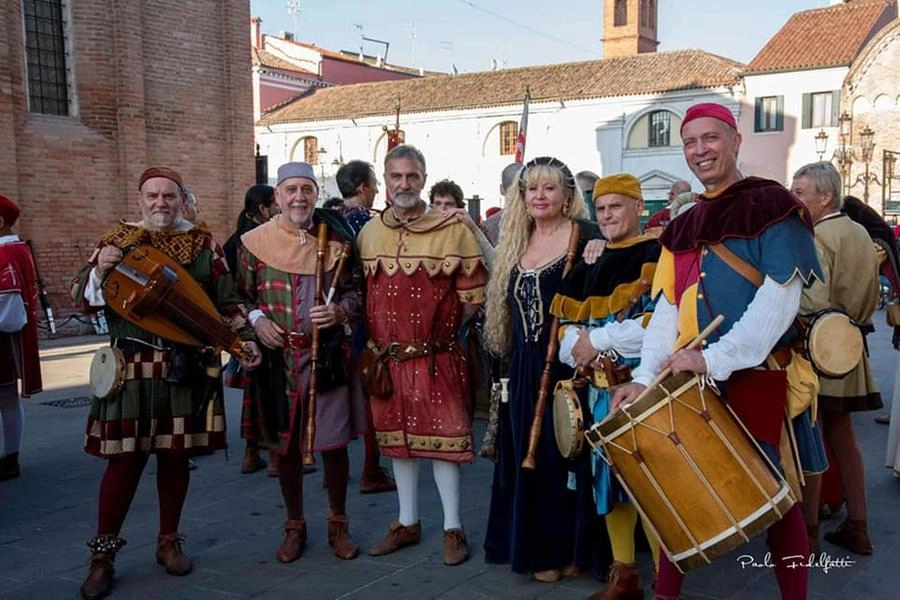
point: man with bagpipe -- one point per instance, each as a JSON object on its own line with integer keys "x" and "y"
{"x": 297, "y": 272}
{"x": 157, "y": 388}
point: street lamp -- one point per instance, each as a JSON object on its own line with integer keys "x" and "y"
{"x": 867, "y": 143}
{"x": 844, "y": 154}
{"x": 821, "y": 143}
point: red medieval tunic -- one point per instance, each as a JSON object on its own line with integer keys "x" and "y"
{"x": 19, "y": 349}
{"x": 418, "y": 276}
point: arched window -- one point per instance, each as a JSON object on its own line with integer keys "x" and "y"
{"x": 655, "y": 129}
{"x": 620, "y": 16}
{"x": 509, "y": 132}
{"x": 311, "y": 150}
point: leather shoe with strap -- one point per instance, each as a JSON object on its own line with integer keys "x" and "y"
{"x": 339, "y": 538}
{"x": 624, "y": 583}
{"x": 168, "y": 553}
{"x": 456, "y": 550}
{"x": 853, "y": 535}
{"x": 291, "y": 547}
{"x": 398, "y": 536}
{"x": 98, "y": 583}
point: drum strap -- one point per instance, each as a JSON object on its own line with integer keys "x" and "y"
{"x": 741, "y": 266}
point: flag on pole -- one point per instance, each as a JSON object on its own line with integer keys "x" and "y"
{"x": 523, "y": 127}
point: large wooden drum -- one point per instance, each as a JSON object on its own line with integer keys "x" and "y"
{"x": 692, "y": 470}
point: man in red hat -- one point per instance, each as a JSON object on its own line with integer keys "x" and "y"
{"x": 167, "y": 405}
{"x": 19, "y": 357}
{"x": 745, "y": 251}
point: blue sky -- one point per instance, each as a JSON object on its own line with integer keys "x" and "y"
{"x": 472, "y": 33}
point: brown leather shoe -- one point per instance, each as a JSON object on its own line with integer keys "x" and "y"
{"x": 252, "y": 461}
{"x": 9, "y": 466}
{"x": 272, "y": 469}
{"x": 456, "y": 551}
{"x": 168, "y": 553}
{"x": 852, "y": 534}
{"x": 339, "y": 538}
{"x": 291, "y": 547}
{"x": 623, "y": 583}
{"x": 376, "y": 482}
{"x": 98, "y": 583}
{"x": 398, "y": 536}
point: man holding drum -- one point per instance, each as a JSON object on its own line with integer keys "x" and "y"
{"x": 851, "y": 285}
{"x": 168, "y": 404}
{"x": 603, "y": 308}
{"x": 738, "y": 222}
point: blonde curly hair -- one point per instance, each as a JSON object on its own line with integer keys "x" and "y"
{"x": 516, "y": 227}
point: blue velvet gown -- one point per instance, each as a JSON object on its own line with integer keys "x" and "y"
{"x": 545, "y": 518}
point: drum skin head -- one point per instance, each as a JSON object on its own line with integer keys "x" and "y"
{"x": 107, "y": 372}
{"x": 834, "y": 343}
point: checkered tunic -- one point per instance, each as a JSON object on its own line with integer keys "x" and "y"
{"x": 150, "y": 414}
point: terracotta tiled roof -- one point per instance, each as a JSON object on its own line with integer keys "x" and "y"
{"x": 270, "y": 61}
{"x": 824, "y": 37}
{"x": 650, "y": 73}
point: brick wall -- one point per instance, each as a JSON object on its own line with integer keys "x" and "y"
{"x": 156, "y": 82}
{"x": 870, "y": 95}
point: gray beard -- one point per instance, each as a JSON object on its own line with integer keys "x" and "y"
{"x": 405, "y": 201}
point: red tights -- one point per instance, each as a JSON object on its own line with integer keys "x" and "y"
{"x": 120, "y": 482}
{"x": 787, "y": 537}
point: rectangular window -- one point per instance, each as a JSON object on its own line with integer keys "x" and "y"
{"x": 820, "y": 109}
{"x": 659, "y": 129}
{"x": 769, "y": 114}
{"x": 45, "y": 51}
{"x": 509, "y": 133}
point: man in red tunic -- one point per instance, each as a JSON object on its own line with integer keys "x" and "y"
{"x": 18, "y": 335}
{"x": 425, "y": 276}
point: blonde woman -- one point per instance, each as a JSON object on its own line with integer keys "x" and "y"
{"x": 533, "y": 514}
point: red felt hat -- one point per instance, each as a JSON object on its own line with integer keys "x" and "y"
{"x": 165, "y": 172}
{"x": 9, "y": 211}
{"x": 709, "y": 109}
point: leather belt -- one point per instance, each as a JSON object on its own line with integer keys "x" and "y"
{"x": 400, "y": 351}
{"x": 297, "y": 340}
{"x": 782, "y": 355}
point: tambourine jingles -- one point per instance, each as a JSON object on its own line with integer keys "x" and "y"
{"x": 154, "y": 292}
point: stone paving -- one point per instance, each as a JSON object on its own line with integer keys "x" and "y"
{"x": 232, "y": 522}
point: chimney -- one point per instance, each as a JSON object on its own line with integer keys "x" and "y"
{"x": 286, "y": 35}
{"x": 256, "y": 32}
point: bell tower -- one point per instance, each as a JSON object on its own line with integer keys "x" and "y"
{"x": 629, "y": 27}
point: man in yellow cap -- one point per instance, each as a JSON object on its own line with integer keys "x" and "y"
{"x": 603, "y": 308}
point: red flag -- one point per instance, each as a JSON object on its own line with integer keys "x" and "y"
{"x": 523, "y": 128}
{"x": 395, "y": 137}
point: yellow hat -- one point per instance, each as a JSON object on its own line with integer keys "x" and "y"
{"x": 620, "y": 183}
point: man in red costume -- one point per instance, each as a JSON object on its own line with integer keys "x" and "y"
{"x": 18, "y": 335}
{"x": 425, "y": 275}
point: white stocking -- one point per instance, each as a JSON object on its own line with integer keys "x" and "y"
{"x": 446, "y": 476}
{"x": 406, "y": 476}
{"x": 13, "y": 417}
